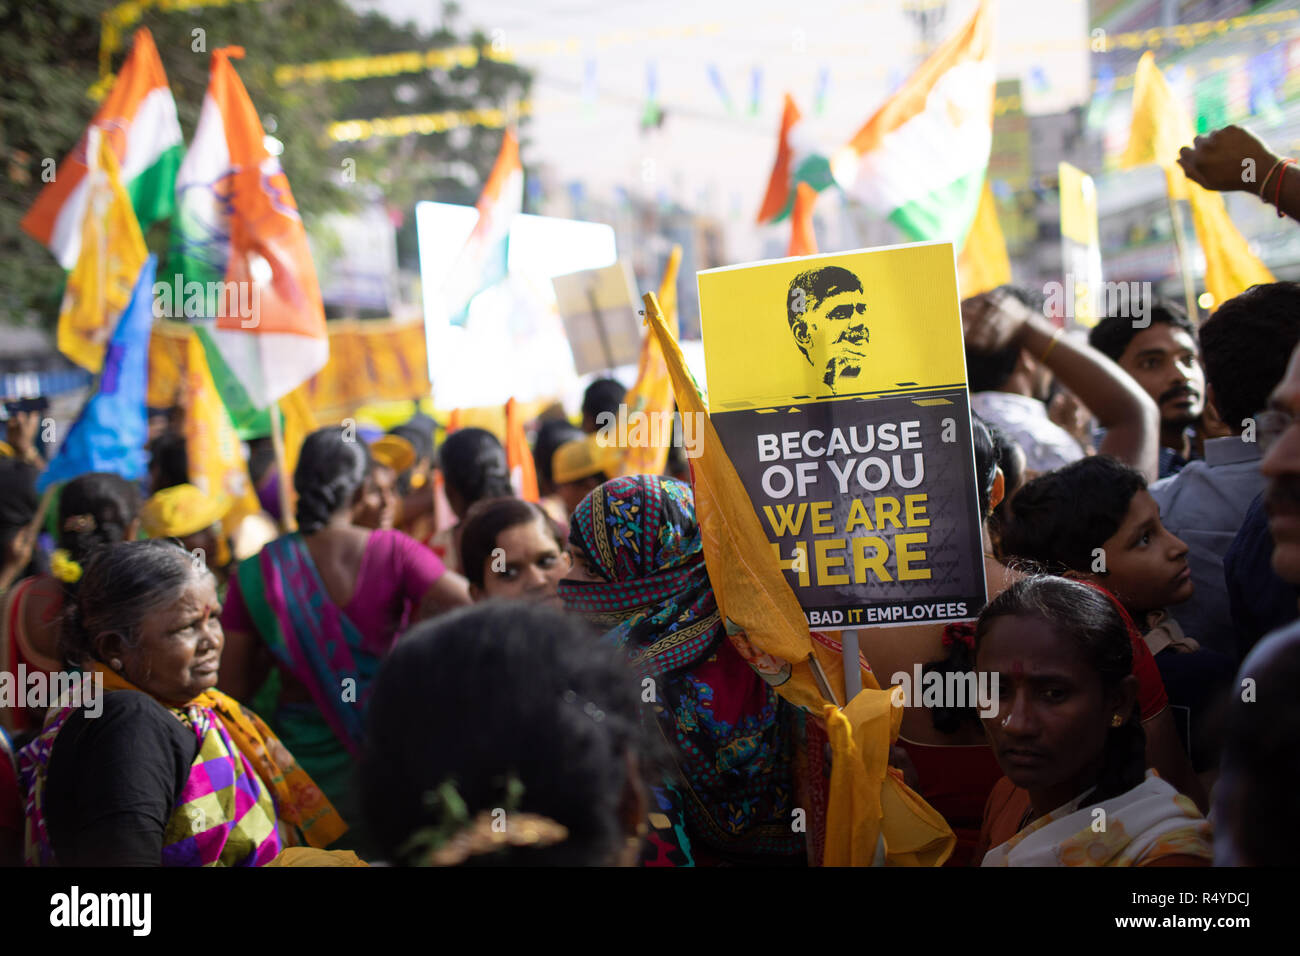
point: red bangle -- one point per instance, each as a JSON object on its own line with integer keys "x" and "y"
{"x": 1269, "y": 175}
{"x": 1281, "y": 174}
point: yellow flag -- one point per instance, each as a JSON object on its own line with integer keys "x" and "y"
{"x": 216, "y": 461}
{"x": 765, "y": 623}
{"x": 652, "y": 392}
{"x": 983, "y": 264}
{"x": 112, "y": 252}
{"x": 1160, "y": 128}
{"x": 299, "y": 422}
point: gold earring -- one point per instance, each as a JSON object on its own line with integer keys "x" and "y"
{"x": 1117, "y": 721}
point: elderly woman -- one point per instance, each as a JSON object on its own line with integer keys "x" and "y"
{"x": 165, "y": 769}
{"x": 638, "y": 571}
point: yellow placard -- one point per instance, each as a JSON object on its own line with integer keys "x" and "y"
{"x": 870, "y": 323}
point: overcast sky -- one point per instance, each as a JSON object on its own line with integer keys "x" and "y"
{"x": 704, "y": 156}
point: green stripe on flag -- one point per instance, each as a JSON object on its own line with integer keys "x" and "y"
{"x": 945, "y": 214}
{"x": 153, "y": 192}
{"x": 816, "y": 172}
{"x": 249, "y": 420}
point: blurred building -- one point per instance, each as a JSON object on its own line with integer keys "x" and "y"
{"x": 1229, "y": 61}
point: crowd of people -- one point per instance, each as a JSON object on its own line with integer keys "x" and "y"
{"x": 398, "y": 682}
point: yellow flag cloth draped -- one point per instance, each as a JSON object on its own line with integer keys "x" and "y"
{"x": 754, "y": 598}
{"x": 652, "y": 392}
{"x": 299, "y": 422}
{"x": 983, "y": 263}
{"x": 1160, "y": 128}
{"x": 803, "y": 239}
{"x": 216, "y": 461}
{"x": 297, "y": 798}
{"x": 112, "y": 253}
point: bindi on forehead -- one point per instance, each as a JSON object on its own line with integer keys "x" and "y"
{"x": 1017, "y": 668}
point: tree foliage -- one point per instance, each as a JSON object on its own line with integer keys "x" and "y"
{"x": 49, "y": 54}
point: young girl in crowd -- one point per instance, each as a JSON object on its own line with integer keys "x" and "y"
{"x": 1068, "y": 736}
{"x": 506, "y": 735}
{"x": 954, "y": 765}
{"x": 1096, "y": 521}
{"x": 511, "y": 548}
{"x": 163, "y": 769}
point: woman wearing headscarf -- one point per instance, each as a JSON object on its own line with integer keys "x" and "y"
{"x": 639, "y": 573}
{"x": 317, "y": 610}
{"x": 162, "y": 769}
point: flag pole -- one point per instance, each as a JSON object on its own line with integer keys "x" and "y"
{"x": 287, "y": 522}
{"x": 852, "y": 670}
{"x": 1180, "y": 244}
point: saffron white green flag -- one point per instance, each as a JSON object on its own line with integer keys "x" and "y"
{"x": 921, "y": 159}
{"x": 138, "y": 120}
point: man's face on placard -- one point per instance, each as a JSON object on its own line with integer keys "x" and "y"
{"x": 827, "y": 310}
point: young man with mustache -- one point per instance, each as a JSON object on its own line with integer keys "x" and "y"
{"x": 1163, "y": 358}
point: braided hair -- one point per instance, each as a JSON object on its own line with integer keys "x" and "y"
{"x": 331, "y": 468}
{"x": 1093, "y": 621}
{"x": 473, "y": 464}
{"x": 95, "y": 510}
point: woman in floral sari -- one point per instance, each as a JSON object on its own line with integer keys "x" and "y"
{"x": 1069, "y": 737}
{"x": 638, "y": 571}
{"x": 163, "y": 769}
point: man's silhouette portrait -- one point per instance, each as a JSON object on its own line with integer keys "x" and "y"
{"x": 827, "y": 309}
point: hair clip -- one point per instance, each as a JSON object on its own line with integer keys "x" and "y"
{"x": 79, "y": 523}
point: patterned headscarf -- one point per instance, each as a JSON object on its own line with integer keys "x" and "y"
{"x": 640, "y": 534}
{"x": 729, "y": 730}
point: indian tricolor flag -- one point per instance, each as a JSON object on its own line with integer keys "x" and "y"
{"x": 797, "y": 161}
{"x": 138, "y": 118}
{"x": 237, "y": 231}
{"x": 483, "y": 259}
{"x": 921, "y": 159}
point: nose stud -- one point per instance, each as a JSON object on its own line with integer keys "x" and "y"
{"x": 1006, "y": 720}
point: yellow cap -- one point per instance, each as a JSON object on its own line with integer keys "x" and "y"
{"x": 584, "y": 457}
{"x": 180, "y": 510}
{"x": 394, "y": 451}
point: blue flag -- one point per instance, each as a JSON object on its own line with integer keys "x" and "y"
{"x": 110, "y": 433}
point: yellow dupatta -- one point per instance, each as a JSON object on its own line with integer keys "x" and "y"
{"x": 297, "y": 798}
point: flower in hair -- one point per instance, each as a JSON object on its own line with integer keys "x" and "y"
{"x": 455, "y": 837}
{"x": 960, "y": 632}
{"x": 64, "y": 568}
